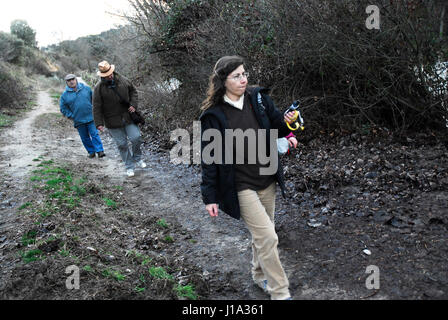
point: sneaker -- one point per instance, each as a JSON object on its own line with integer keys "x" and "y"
{"x": 101, "y": 154}
{"x": 130, "y": 172}
{"x": 142, "y": 164}
{"x": 263, "y": 284}
{"x": 91, "y": 155}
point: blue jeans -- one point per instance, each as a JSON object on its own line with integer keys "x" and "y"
{"x": 121, "y": 135}
{"x": 90, "y": 137}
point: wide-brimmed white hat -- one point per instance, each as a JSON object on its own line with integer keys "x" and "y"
{"x": 105, "y": 69}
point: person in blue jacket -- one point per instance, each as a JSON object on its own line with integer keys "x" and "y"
{"x": 76, "y": 104}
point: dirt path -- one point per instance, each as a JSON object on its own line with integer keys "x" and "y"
{"x": 334, "y": 213}
{"x": 219, "y": 248}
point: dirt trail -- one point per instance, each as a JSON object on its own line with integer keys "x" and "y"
{"x": 20, "y": 145}
{"x": 221, "y": 249}
{"x": 335, "y": 211}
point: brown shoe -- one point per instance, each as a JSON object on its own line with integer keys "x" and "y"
{"x": 91, "y": 155}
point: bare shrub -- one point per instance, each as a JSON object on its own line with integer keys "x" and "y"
{"x": 353, "y": 76}
{"x": 321, "y": 52}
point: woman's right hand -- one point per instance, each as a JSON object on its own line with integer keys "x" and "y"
{"x": 212, "y": 209}
{"x": 290, "y": 117}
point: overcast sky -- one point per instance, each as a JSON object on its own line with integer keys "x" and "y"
{"x": 56, "y": 20}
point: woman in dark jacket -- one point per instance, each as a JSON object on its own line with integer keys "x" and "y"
{"x": 241, "y": 189}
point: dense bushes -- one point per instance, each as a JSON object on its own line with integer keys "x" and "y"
{"x": 12, "y": 89}
{"x": 19, "y": 58}
{"x": 11, "y": 48}
{"x": 23, "y": 31}
{"x": 321, "y": 52}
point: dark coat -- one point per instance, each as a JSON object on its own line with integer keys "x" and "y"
{"x": 108, "y": 111}
{"x": 218, "y": 180}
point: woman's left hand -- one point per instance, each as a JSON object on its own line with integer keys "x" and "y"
{"x": 131, "y": 109}
{"x": 293, "y": 142}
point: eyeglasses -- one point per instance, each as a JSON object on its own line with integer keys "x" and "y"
{"x": 70, "y": 80}
{"x": 239, "y": 77}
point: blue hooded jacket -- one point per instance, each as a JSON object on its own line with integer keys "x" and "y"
{"x": 77, "y": 105}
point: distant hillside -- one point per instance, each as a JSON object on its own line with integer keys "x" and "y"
{"x": 83, "y": 54}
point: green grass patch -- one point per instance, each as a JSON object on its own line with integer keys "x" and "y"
{"x": 139, "y": 257}
{"x": 162, "y": 223}
{"x": 47, "y": 162}
{"x": 187, "y": 291}
{"x": 160, "y": 273}
{"x": 64, "y": 253}
{"x": 139, "y": 289}
{"x": 5, "y": 120}
{"x": 56, "y": 181}
{"x": 59, "y": 182}
{"x": 25, "y": 205}
{"x": 110, "y": 203}
{"x": 29, "y": 238}
{"x": 32, "y": 255}
{"x": 31, "y": 103}
{"x": 141, "y": 286}
{"x": 45, "y": 213}
{"x": 88, "y": 268}
{"x": 114, "y": 274}
{"x": 55, "y": 96}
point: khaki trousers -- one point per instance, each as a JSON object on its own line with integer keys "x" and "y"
{"x": 257, "y": 211}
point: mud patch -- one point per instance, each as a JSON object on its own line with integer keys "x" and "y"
{"x": 383, "y": 194}
{"x": 70, "y": 221}
{"x": 149, "y": 237}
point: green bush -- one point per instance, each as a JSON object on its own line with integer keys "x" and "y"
{"x": 11, "y": 47}
{"x": 22, "y": 30}
{"x": 13, "y": 92}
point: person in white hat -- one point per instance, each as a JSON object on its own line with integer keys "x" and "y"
{"x": 114, "y": 97}
{"x": 76, "y": 104}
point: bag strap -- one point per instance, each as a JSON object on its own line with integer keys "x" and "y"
{"x": 122, "y": 101}
{"x": 260, "y": 102}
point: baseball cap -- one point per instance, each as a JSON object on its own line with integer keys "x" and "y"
{"x": 69, "y": 77}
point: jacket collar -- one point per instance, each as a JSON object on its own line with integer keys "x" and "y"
{"x": 79, "y": 87}
{"x": 217, "y": 111}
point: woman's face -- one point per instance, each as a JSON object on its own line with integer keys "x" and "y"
{"x": 236, "y": 83}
